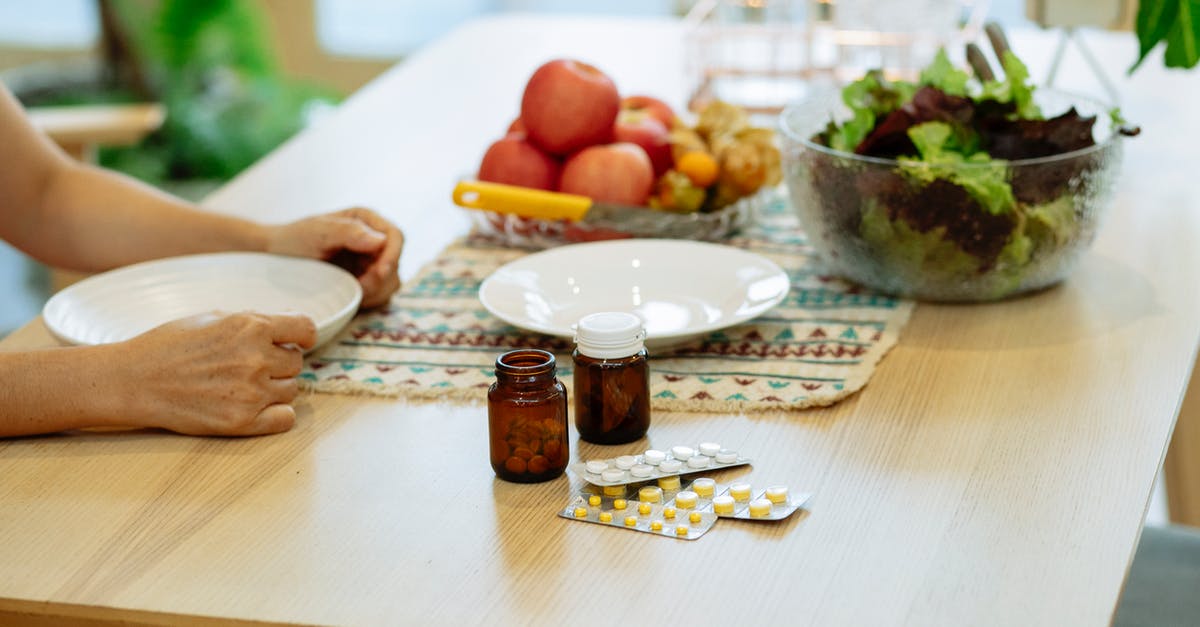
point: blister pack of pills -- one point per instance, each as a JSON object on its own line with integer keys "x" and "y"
{"x": 682, "y": 513}
{"x": 655, "y": 464}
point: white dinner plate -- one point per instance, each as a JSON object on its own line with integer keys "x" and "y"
{"x": 119, "y": 304}
{"x": 681, "y": 289}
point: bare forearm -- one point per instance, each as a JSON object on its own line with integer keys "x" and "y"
{"x": 58, "y": 389}
{"x": 92, "y": 219}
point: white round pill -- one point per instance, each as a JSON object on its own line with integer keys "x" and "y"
{"x": 612, "y": 474}
{"x": 653, "y": 457}
{"x": 625, "y": 462}
{"x": 710, "y": 448}
{"x": 641, "y": 470}
{"x": 698, "y": 461}
{"x": 671, "y": 465}
{"x": 682, "y": 452}
{"x": 596, "y": 467}
{"x": 726, "y": 456}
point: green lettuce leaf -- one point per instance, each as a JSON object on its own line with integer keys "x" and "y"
{"x": 1015, "y": 88}
{"x": 942, "y": 74}
{"x": 986, "y": 180}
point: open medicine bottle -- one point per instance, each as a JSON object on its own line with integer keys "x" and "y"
{"x": 612, "y": 378}
{"x": 527, "y": 418}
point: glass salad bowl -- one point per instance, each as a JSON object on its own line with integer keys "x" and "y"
{"x": 965, "y": 230}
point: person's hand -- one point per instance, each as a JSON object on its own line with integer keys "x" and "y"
{"x": 218, "y": 374}
{"x": 357, "y": 239}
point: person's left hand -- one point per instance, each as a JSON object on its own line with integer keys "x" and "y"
{"x": 357, "y": 239}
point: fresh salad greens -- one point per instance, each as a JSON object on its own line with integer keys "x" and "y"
{"x": 954, "y": 204}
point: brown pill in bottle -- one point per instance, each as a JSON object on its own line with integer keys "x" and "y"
{"x": 611, "y": 378}
{"x": 527, "y": 418}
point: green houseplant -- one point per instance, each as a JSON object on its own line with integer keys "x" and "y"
{"x": 1177, "y": 22}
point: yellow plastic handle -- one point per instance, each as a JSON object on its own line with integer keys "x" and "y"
{"x": 521, "y": 201}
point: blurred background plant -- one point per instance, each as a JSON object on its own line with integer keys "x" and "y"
{"x": 211, "y": 64}
{"x": 1176, "y": 22}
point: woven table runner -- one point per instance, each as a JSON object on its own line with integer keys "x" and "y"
{"x": 435, "y": 341}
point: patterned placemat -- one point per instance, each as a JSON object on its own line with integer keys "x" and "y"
{"x": 435, "y": 340}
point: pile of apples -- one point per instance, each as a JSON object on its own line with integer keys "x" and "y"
{"x": 576, "y": 134}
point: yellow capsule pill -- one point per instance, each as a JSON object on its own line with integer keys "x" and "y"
{"x": 703, "y": 487}
{"x": 669, "y": 483}
{"x": 668, "y": 512}
{"x": 681, "y": 530}
{"x": 644, "y": 509}
{"x": 695, "y": 517}
{"x": 686, "y": 499}
{"x": 650, "y": 494}
{"x": 594, "y": 500}
{"x": 631, "y": 521}
{"x": 606, "y": 517}
{"x": 760, "y": 508}
{"x": 614, "y": 490}
{"x": 656, "y": 525}
{"x": 777, "y": 494}
{"x": 740, "y": 491}
{"x": 723, "y": 504}
{"x": 581, "y": 512}
{"x": 619, "y": 504}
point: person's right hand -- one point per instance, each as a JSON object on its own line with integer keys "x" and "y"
{"x": 218, "y": 374}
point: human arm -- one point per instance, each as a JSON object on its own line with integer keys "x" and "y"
{"x": 205, "y": 375}
{"x": 80, "y": 217}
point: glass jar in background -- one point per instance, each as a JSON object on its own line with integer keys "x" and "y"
{"x": 527, "y": 418}
{"x": 611, "y": 379}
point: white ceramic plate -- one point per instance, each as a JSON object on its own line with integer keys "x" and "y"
{"x": 681, "y": 289}
{"x": 117, "y": 305}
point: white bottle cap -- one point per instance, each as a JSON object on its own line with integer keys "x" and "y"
{"x": 609, "y": 335}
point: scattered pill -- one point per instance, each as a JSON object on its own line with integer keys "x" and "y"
{"x": 669, "y": 513}
{"x": 777, "y": 494}
{"x": 670, "y": 466}
{"x": 669, "y": 483}
{"x": 581, "y": 512}
{"x": 653, "y": 457}
{"x": 619, "y": 504}
{"x": 703, "y": 487}
{"x": 698, "y": 461}
{"x": 685, "y": 499}
{"x": 710, "y": 448}
{"x": 642, "y": 470}
{"x": 760, "y": 508}
{"x": 625, "y": 462}
{"x": 596, "y": 467}
{"x": 656, "y": 525}
{"x": 740, "y": 491}
{"x": 605, "y": 517}
{"x": 726, "y": 456}
{"x": 644, "y": 509}
{"x": 594, "y": 500}
{"x": 723, "y": 504}
{"x": 614, "y": 490}
{"x": 612, "y": 474}
{"x": 695, "y": 517}
{"x": 682, "y": 452}
{"x": 631, "y": 521}
{"x": 650, "y": 494}
{"x": 681, "y": 530}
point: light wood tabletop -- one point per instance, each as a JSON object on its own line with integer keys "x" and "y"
{"x": 995, "y": 470}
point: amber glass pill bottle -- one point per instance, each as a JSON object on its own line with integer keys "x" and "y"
{"x": 612, "y": 378}
{"x": 527, "y": 418}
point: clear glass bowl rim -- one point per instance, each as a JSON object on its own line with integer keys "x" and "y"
{"x": 791, "y": 134}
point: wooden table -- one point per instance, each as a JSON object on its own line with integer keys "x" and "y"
{"x": 995, "y": 470}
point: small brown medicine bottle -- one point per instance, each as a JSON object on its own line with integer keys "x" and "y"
{"x": 612, "y": 378}
{"x": 527, "y": 418}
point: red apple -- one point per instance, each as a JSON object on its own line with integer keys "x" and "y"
{"x": 568, "y": 105}
{"x": 514, "y": 161}
{"x": 641, "y": 128}
{"x": 651, "y": 105}
{"x": 618, "y": 173}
